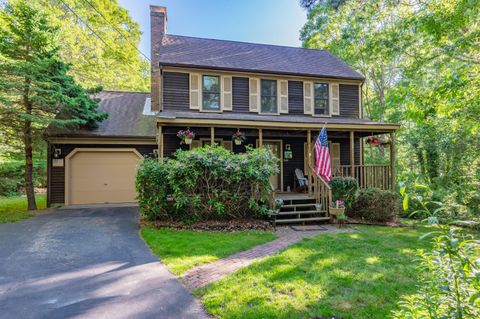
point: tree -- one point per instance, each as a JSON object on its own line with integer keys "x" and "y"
{"x": 35, "y": 88}
{"x": 421, "y": 60}
{"x": 100, "y": 40}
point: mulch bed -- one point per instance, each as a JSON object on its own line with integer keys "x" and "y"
{"x": 359, "y": 221}
{"x": 213, "y": 225}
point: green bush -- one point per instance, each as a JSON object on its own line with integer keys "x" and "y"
{"x": 374, "y": 204}
{"x": 206, "y": 183}
{"x": 12, "y": 176}
{"x": 153, "y": 189}
{"x": 345, "y": 188}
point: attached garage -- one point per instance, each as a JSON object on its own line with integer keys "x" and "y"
{"x": 101, "y": 175}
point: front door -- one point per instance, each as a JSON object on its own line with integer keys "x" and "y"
{"x": 276, "y": 148}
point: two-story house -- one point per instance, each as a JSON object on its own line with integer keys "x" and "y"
{"x": 279, "y": 97}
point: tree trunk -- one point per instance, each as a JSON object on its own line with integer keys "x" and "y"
{"x": 27, "y": 144}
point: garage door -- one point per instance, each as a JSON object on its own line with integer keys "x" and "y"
{"x": 101, "y": 176}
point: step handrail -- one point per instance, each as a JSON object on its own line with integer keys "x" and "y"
{"x": 320, "y": 177}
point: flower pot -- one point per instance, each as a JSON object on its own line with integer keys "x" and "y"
{"x": 336, "y": 211}
{"x": 237, "y": 142}
{"x": 188, "y": 141}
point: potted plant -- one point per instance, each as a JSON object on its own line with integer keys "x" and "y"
{"x": 337, "y": 207}
{"x": 239, "y": 137}
{"x": 186, "y": 136}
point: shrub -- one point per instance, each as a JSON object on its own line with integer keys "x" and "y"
{"x": 449, "y": 281}
{"x": 345, "y": 188}
{"x": 374, "y": 204}
{"x": 12, "y": 176}
{"x": 207, "y": 183}
{"x": 153, "y": 189}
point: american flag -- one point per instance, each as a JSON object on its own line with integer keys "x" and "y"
{"x": 322, "y": 156}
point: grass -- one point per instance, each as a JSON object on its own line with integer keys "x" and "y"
{"x": 13, "y": 209}
{"x": 182, "y": 250}
{"x": 348, "y": 275}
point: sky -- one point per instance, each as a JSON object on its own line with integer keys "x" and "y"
{"x": 259, "y": 21}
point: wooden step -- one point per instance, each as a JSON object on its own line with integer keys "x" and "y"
{"x": 299, "y": 212}
{"x": 298, "y": 205}
{"x": 301, "y": 220}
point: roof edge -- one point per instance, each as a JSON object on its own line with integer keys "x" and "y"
{"x": 192, "y": 66}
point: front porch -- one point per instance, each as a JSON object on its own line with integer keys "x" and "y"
{"x": 295, "y": 149}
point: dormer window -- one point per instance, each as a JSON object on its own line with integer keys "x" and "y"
{"x": 268, "y": 98}
{"x": 211, "y": 93}
{"x": 321, "y": 103}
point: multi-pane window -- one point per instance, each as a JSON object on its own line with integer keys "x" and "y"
{"x": 211, "y": 93}
{"x": 321, "y": 105}
{"x": 268, "y": 96}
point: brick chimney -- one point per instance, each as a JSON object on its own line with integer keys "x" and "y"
{"x": 158, "y": 27}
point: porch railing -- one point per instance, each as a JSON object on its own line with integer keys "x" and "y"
{"x": 378, "y": 176}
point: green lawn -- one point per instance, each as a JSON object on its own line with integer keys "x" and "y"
{"x": 181, "y": 250}
{"x": 13, "y": 209}
{"x": 348, "y": 275}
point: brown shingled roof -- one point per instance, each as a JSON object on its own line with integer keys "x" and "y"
{"x": 242, "y": 56}
{"x": 125, "y": 119}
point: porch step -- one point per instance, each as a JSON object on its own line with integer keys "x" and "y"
{"x": 299, "y": 212}
{"x": 298, "y": 205}
{"x": 302, "y": 220}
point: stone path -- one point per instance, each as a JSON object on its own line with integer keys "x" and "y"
{"x": 201, "y": 276}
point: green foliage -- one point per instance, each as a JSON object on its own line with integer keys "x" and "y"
{"x": 36, "y": 90}
{"x": 421, "y": 61}
{"x": 374, "y": 204}
{"x": 113, "y": 61}
{"x": 344, "y": 188}
{"x": 12, "y": 176}
{"x": 207, "y": 183}
{"x": 153, "y": 188}
{"x": 449, "y": 282}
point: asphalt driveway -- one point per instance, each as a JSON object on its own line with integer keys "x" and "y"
{"x": 86, "y": 263}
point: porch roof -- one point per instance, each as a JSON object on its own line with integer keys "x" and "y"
{"x": 299, "y": 122}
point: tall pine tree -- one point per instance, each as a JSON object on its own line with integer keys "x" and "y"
{"x": 36, "y": 90}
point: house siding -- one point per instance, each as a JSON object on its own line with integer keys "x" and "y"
{"x": 349, "y": 99}
{"x": 176, "y": 91}
{"x": 176, "y": 95}
{"x": 56, "y": 178}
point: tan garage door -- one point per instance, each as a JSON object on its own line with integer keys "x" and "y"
{"x": 102, "y": 176}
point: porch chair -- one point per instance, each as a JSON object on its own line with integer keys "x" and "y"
{"x": 301, "y": 181}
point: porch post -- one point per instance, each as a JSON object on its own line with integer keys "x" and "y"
{"x": 260, "y": 137}
{"x": 212, "y": 135}
{"x": 160, "y": 143}
{"x": 392, "y": 160}
{"x": 352, "y": 154}
{"x": 309, "y": 161}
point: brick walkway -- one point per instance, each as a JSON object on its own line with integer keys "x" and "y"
{"x": 203, "y": 275}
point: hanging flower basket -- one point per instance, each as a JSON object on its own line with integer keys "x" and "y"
{"x": 239, "y": 137}
{"x": 186, "y": 136}
{"x": 376, "y": 141}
